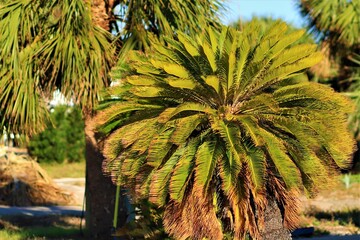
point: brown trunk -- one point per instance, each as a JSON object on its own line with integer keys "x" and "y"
{"x": 274, "y": 227}
{"x": 100, "y": 192}
{"x": 101, "y": 11}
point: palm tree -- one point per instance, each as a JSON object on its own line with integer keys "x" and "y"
{"x": 214, "y": 130}
{"x": 64, "y": 45}
{"x": 337, "y": 24}
{"x": 337, "y": 21}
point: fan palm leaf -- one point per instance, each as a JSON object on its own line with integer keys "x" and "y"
{"x": 138, "y": 18}
{"x": 227, "y": 129}
{"x": 49, "y": 45}
{"x": 338, "y": 19}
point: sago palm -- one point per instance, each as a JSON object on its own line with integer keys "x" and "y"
{"x": 213, "y": 129}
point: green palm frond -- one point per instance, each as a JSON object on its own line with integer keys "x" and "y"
{"x": 159, "y": 185}
{"x": 49, "y": 45}
{"x": 182, "y": 173}
{"x": 226, "y": 125}
{"x": 162, "y": 18}
{"x": 207, "y": 157}
{"x": 338, "y": 19}
{"x": 21, "y": 99}
{"x": 78, "y": 65}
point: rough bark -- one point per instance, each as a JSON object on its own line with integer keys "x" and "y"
{"x": 100, "y": 193}
{"x": 101, "y": 11}
{"x": 274, "y": 228}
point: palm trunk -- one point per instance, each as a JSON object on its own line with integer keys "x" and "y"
{"x": 101, "y": 11}
{"x": 100, "y": 192}
{"x": 100, "y": 14}
{"x": 274, "y": 227}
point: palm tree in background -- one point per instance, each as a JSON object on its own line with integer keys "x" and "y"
{"x": 214, "y": 130}
{"x": 335, "y": 21}
{"x": 67, "y": 46}
{"x": 336, "y": 24}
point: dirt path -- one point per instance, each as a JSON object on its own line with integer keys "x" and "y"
{"x": 40, "y": 211}
{"x": 75, "y": 186}
{"x": 336, "y": 199}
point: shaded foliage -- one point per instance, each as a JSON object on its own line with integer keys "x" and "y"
{"x": 337, "y": 27}
{"x": 63, "y": 139}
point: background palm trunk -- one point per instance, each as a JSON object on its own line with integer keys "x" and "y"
{"x": 274, "y": 228}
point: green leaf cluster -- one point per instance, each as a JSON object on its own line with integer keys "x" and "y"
{"x": 139, "y": 19}
{"x": 62, "y": 140}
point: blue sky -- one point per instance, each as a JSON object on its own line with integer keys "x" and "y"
{"x": 245, "y": 9}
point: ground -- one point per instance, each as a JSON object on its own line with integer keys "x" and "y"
{"x": 334, "y": 211}
{"x": 41, "y": 228}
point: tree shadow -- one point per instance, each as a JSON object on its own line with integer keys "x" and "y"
{"x": 344, "y": 217}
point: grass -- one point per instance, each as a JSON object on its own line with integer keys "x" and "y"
{"x": 351, "y": 216}
{"x": 65, "y": 170}
{"x": 355, "y": 178}
{"x": 346, "y": 221}
{"x": 40, "y": 233}
{"x": 40, "y": 228}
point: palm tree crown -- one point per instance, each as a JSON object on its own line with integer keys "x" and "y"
{"x": 337, "y": 20}
{"x": 214, "y": 127}
{"x": 49, "y": 45}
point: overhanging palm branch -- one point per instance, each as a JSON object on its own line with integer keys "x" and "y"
{"x": 212, "y": 129}
{"x": 49, "y": 45}
{"x": 135, "y": 19}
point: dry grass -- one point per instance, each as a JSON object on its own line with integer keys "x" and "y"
{"x": 24, "y": 183}
{"x": 65, "y": 170}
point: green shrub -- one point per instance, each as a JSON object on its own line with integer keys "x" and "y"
{"x": 63, "y": 138}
